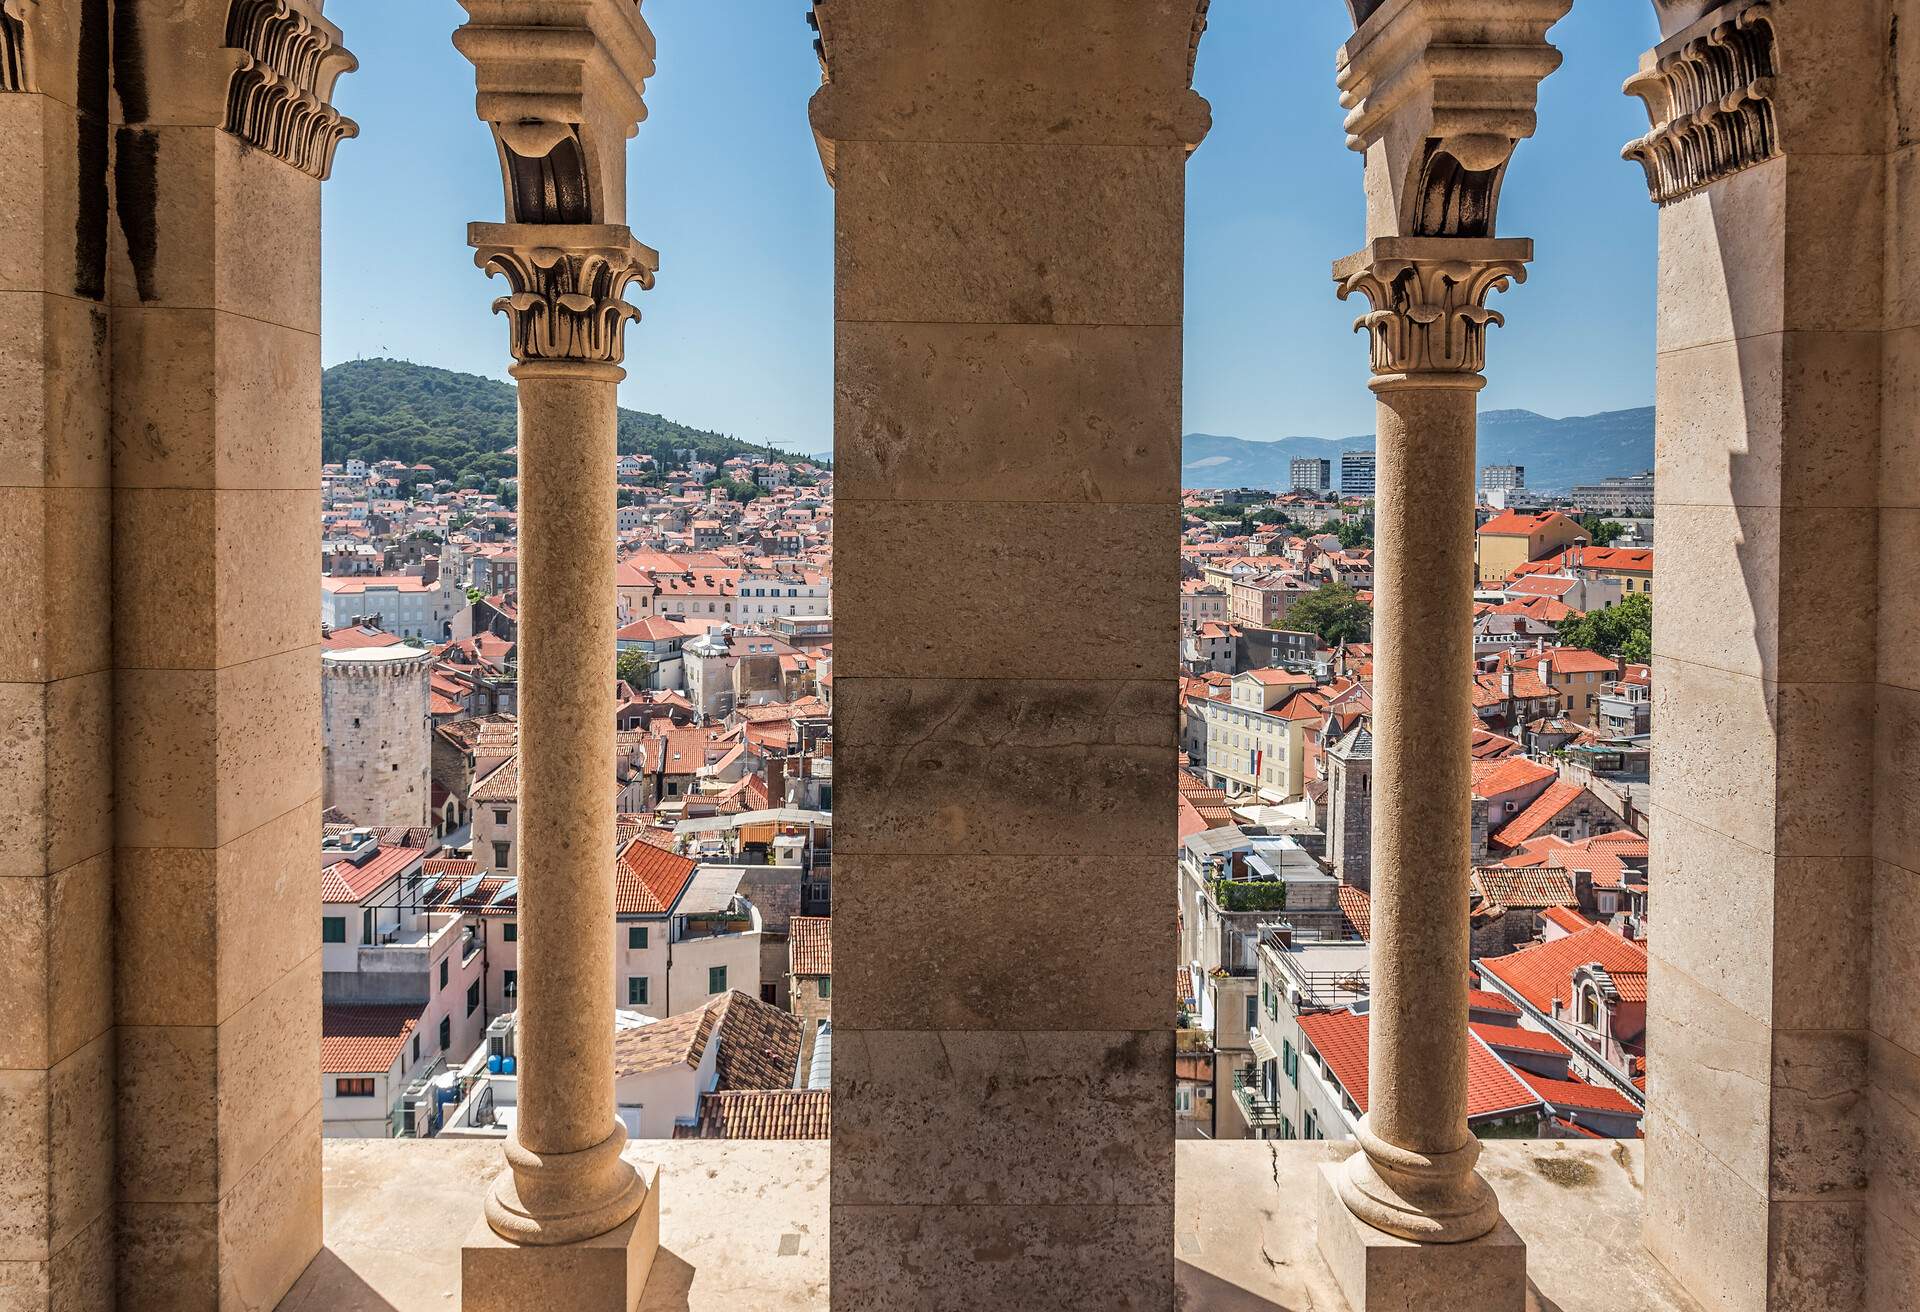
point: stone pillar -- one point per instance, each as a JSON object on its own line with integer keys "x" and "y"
{"x": 56, "y": 716}
{"x": 224, "y": 137}
{"x": 569, "y": 1222}
{"x": 1437, "y": 99}
{"x": 1783, "y": 1125}
{"x": 1009, "y": 222}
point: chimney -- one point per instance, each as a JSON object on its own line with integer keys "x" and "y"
{"x": 1506, "y": 682}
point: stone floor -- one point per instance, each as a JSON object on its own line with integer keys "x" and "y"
{"x": 744, "y": 1226}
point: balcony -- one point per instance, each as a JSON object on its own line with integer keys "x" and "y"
{"x": 1259, "y": 1112}
{"x": 745, "y": 1225}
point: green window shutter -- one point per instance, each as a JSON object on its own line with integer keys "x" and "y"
{"x": 716, "y": 979}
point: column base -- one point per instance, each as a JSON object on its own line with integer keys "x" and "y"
{"x": 607, "y": 1273}
{"x": 1379, "y": 1272}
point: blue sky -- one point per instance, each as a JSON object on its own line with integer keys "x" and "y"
{"x": 724, "y": 182}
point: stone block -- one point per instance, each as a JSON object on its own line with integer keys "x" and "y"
{"x": 1004, "y": 767}
{"x": 213, "y": 578}
{"x": 930, "y": 232}
{"x": 1816, "y": 1255}
{"x": 210, "y": 399}
{"x": 168, "y": 1256}
{"x": 1819, "y": 1123}
{"x": 206, "y": 756}
{"x": 1381, "y": 1273}
{"x": 53, "y": 378}
{"x": 80, "y": 1107}
{"x": 244, "y": 903}
{"x": 1896, "y": 773}
{"x": 964, "y": 70}
{"x": 967, "y": 1258}
{"x": 1703, "y": 1223}
{"x": 1102, "y": 961}
{"x": 1713, "y": 1078}
{"x": 604, "y": 1274}
{"x": 1780, "y": 419}
{"x": 270, "y": 1218}
{"x": 266, "y": 237}
{"x": 1896, "y": 956}
{"x": 943, "y": 590}
{"x": 1006, "y": 412}
{"x": 1899, "y": 608}
{"x": 1892, "y": 1250}
{"x": 166, "y": 1153}
{"x": 1026, "y": 1118}
{"x": 267, "y": 1071}
{"x": 54, "y": 547}
{"x": 1893, "y": 1075}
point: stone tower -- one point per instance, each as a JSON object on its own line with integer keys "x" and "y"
{"x": 376, "y": 734}
{"x": 1349, "y": 767}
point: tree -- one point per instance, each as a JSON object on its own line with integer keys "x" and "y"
{"x": 1334, "y": 611}
{"x": 1625, "y": 630}
{"x": 633, "y": 667}
{"x": 1355, "y": 532}
{"x": 1602, "y": 532}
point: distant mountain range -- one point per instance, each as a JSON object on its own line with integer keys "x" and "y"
{"x": 1558, "y": 453}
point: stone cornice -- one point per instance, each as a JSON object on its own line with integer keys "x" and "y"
{"x": 1438, "y": 93}
{"x": 1429, "y": 297}
{"x": 286, "y": 63}
{"x": 568, "y": 284}
{"x": 1708, "y": 91}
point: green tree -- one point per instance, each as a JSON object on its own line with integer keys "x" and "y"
{"x": 1334, "y": 611}
{"x": 1602, "y": 532}
{"x": 1624, "y": 630}
{"x": 633, "y": 666}
{"x": 1355, "y": 532}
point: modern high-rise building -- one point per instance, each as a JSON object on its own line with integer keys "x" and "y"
{"x": 1311, "y": 474}
{"x": 1356, "y": 473}
{"x": 1502, "y": 478}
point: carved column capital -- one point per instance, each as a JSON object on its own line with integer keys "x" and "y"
{"x": 568, "y": 284}
{"x": 1708, "y": 90}
{"x": 286, "y": 61}
{"x": 1429, "y": 297}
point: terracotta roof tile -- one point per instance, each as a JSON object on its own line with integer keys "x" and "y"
{"x": 762, "y": 1114}
{"x": 363, "y": 1040}
{"x": 1581, "y": 1096}
{"x": 1357, "y": 907}
{"x": 1340, "y": 1037}
{"x": 649, "y": 879}
{"x": 1544, "y": 972}
{"x": 1539, "y": 813}
{"x": 810, "y": 945}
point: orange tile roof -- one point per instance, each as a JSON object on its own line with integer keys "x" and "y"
{"x": 1514, "y": 523}
{"x": 1519, "y": 1040}
{"x": 1566, "y": 918}
{"x": 1528, "y": 889}
{"x": 1340, "y": 1037}
{"x": 343, "y": 881}
{"x": 1357, "y": 907}
{"x": 1481, "y": 1000}
{"x": 363, "y": 1040}
{"x": 648, "y": 879}
{"x": 762, "y": 1114}
{"x": 1558, "y": 797}
{"x": 1581, "y": 1096}
{"x": 810, "y": 945}
{"x": 1544, "y": 972}
{"x": 1491, "y": 778}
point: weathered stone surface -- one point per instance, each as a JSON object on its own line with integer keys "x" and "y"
{"x": 894, "y": 918}
{"x": 991, "y": 766}
{"x": 1003, "y": 1103}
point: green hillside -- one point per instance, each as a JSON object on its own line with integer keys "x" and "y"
{"x": 462, "y": 424}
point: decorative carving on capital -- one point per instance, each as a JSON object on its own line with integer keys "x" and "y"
{"x": 568, "y": 283}
{"x": 1709, "y": 96}
{"x": 1429, "y": 302}
{"x": 277, "y": 99}
{"x": 15, "y": 72}
{"x": 1438, "y": 93}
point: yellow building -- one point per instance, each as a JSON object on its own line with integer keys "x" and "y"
{"x": 1513, "y": 538}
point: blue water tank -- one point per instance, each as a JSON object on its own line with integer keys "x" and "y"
{"x": 493, "y": 1063}
{"x": 507, "y": 1066}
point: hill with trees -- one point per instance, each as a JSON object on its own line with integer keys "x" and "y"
{"x": 463, "y": 425}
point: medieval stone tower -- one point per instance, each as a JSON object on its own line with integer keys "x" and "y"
{"x": 377, "y": 734}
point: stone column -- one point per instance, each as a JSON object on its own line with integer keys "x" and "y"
{"x": 1414, "y": 1178}
{"x": 569, "y": 1222}
{"x": 1783, "y": 1111}
{"x": 1438, "y": 96}
{"x": 56, "y": 680}
{"x": 225, "y": 135}
{"x": 1009, "y": 217}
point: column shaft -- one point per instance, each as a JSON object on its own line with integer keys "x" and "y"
{"x": 1422, "y": 713}
{"x": 567, "y": 418}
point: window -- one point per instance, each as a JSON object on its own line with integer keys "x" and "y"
{"x": 1290, "y": 1063}
{"x": 366, "y": 925}
{"x": 1183, "y": 1099}
{"x": 1253, "y": 1014}
{"x": 446, "y": 1033}
{"x": 510, "y": 932}
{"x": 636, "y": 937}
{"x": 355, "y": 1086}
{"x": 510, "y": 983}
{"x": 636, "y": 990}
{"x": 499, "y": 816}
{"x": 443, "y": 976}
{"x": 416, "y": 1047}
{"x": 500, "y": 855}
{"x": 1313, "y": 1126}
{"x": 716, "y": 979}
{"x": 333, "y": 929}
{"x": 826, "y": 986}
{"x": 473, "y": 997}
